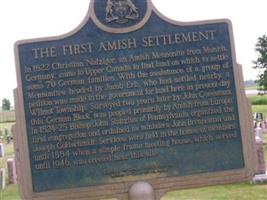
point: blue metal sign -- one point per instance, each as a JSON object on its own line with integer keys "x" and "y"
{"x": 130, "y": 96}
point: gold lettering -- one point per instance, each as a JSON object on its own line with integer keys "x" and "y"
{"x": 118, "y": 45}
{"x": 77, "y": 49}
{"x": 49, "y": 52}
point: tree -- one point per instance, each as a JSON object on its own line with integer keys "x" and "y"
{"x": 5, "y": 104}
{"x": 261, "y": 62}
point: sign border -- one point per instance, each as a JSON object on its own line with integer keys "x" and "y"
{"x": 120, "y": 190}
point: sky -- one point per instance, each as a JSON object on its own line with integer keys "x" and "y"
{"x": 28, "y": 19}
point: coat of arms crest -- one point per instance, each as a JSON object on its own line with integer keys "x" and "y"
{"x": 121, "y": 11}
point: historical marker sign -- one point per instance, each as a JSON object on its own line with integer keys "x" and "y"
{"x": 130, "y": 96}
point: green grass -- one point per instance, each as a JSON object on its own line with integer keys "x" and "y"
{"x": 260, "y": 109}
{"x": 9, "y": 153}
{"x": 252, "y": 87}
{"x": 259, "y": 104}
{"x": 223, "y": 192}
{"x": 258, "y": 100}
{"x": 9, "y": 150}
{"x": 11, "y": 193}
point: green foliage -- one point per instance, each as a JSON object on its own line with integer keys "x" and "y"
{"x": 261, "y": 62}
{"x": 5, "y": 104}
{"x": 258, "y": 100}
{"x": 262, "y": 81}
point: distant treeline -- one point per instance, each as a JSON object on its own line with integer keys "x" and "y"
{"x": 250, "y": 83}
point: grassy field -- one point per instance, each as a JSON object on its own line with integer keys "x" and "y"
{"x": 258, "y": 100}
{"x": 11, "y": 193}
{"x": 252, "y": 87}
{"x": 11, "y": 190}
{"x": 223, "y": 192}
{"x": 260, "y": 109}
{"x": 259, "y": 104}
